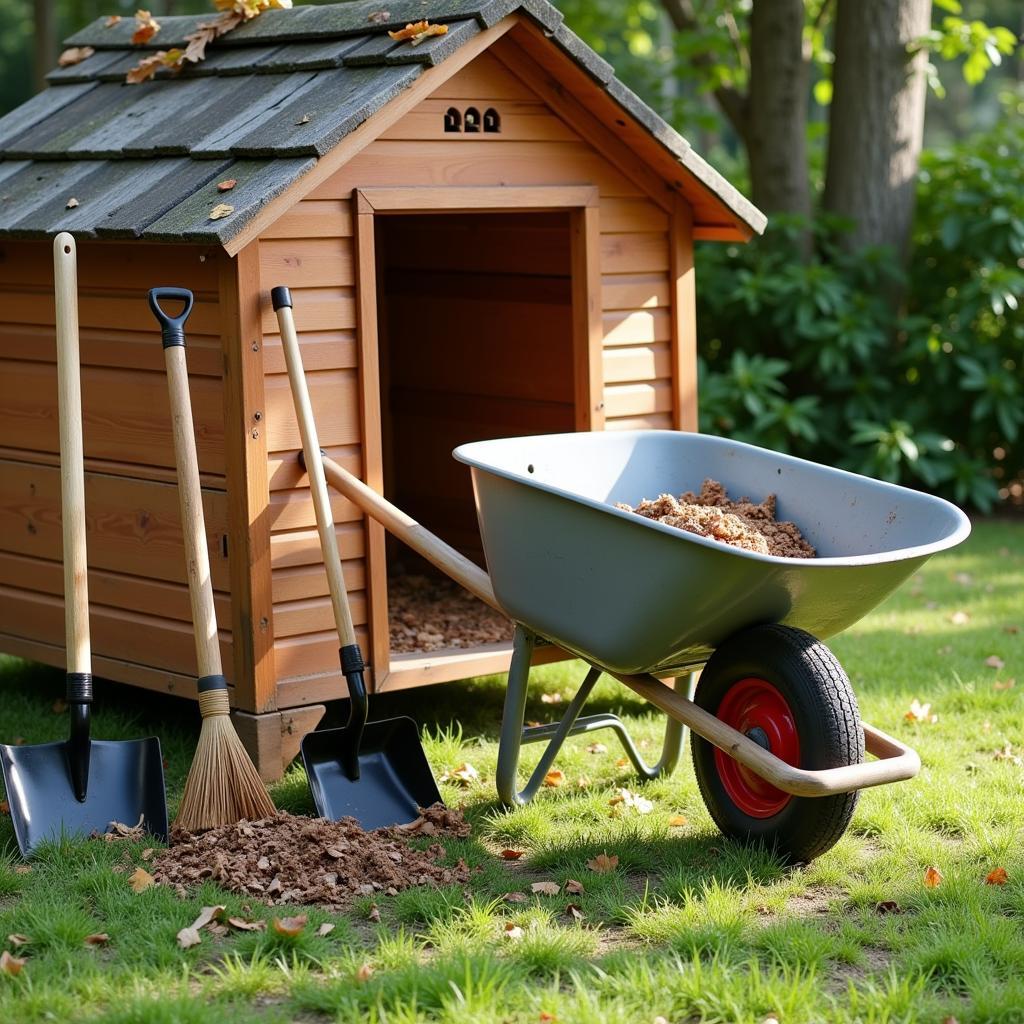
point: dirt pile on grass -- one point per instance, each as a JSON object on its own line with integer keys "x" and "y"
{"x": 291, "y": 859}
{"x": 429, "y": 613}
{"x": 743, "y": 523}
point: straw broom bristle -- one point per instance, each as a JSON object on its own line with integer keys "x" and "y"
{"x": 223, "y": 786}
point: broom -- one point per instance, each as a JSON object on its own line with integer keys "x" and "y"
{"x": 223, "y": 785}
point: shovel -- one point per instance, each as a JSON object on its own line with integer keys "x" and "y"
{"x": 375, "y": 772}
{"x": 79, "y": 785}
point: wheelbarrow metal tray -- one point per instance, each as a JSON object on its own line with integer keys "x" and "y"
{"x": 634, "y": 595}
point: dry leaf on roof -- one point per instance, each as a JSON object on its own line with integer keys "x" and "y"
{"x": 11, "y": 964}
{"x": 227, "y": 184}
{"x": 221, "y": 210}
{"x": 114, "y": 19}
{"x": 376, "y": 17}
{"x": 418, "y": 31}
{"x": 74, "y": 55}
{"x": 146, "y": 26}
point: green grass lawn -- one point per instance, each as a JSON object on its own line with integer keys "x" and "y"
{"x": 688, "y": 927}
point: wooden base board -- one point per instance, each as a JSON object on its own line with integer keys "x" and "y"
{"x": 273, "y": 739}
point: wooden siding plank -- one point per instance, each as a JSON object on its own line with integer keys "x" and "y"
{"x": 637, "y": 363}
{"x": 312, "y": 218}
{"x": 684, "y": 319}
{"x": 125, "y": 413}
{"x": 321, "y": 350}
{"x": 296, "y": 583}
{"x": 301, "y": 547}
{"x": 623, "y": 215}
{"x": 634, "y": 253}
{"x": 485, "y": 78}
{"x": 315, "y": 615}
{"x": 306, "y": 262}
{"x": 634, "y": 291}
{"x": 632, "y": 327}
{"x": 335, "y": 398}
{"x": 134, "y": 526}
{"x": 316, "y": 309}
{"x": 638, "y": 399}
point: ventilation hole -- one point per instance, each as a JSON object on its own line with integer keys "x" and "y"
{"x": 472, "y": 120}
{"x": 452, "y": 120}
{"x": 492, "y": 120}
{"x": 224, "y": 544}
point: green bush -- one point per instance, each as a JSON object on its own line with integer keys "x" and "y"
{"x": 810, "y": 357}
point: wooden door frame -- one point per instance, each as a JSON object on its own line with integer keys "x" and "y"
{"x": 582, "y": 204}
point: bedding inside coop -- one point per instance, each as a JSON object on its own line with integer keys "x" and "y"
{"x": 475, "y": 322}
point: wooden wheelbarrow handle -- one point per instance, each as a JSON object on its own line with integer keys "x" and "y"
{"x": 896, "y": 761}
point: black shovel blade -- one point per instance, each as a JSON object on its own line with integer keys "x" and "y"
{"x": 394, "y": 781}
{"x": 126, "y": 782}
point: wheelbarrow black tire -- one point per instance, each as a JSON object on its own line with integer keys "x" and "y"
{"x": 792, "y": 684}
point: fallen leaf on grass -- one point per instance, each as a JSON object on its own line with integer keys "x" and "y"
{"x": 546, "y": 888}
{"x": 74, "y": 55}
{"x": 994, "y": 661}
{"x": 583, "y": 782}
{"x": 247, "y": 926}
{"x": 888, "y": 907}
{"x": 325, "y": 929}
{"x": 551, "y": 698}
{"x": 11, "y": 964}
{"x": 960, "y": 618}
{"x": 59, "y": 706}
{"x": 574, "y": 911}
{"x": 290, "y": 926}
{"x": 189, "y": 937}
{"x": 597, "y": 748}
{"x": 1012, "y": 630}
{"x": 146, "y": 26}
{"x": 678, "y": 821}
{"x": 147, "y": 853}
{"x": 464, "y": 775}
{"x": 546, "y": 1018}
{"x": 140, "y": 880}
{"x": 365, "y": 973}
{"x": 221, "y": 210}
{"x": 17, "y": 939}
{"x": 1005, "y": 684}
{"x": 513, "y": 932}
{"x": 624, "y": 799}
{"x": 5, "y": 807}
{"x": 603, "y": 863}
{"x": 227, "y": 184}
{"x": 97, "y": 939}
{"x": 932, "y": 877}
{"x": 1006, "y": 753}
{"x": 515, "y": 897}
{"x": 554, "y": 778}
{"x": 920, "y": 713}
{"x": 997, "y": 876}
{"x": 374, "y": 914}
{"x": 574, "y": 888}
{"x": 23, "y": 869}
{"x": 622, "y": 762}
{"x": 950, "y": 1020}
{"x": 512, "y": 854}
{"x": 208, "y": 914}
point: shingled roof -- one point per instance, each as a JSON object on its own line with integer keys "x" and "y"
{"x": 269, "y": 100}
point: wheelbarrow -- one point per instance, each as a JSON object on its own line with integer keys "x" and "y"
{"x": 778, "y": 744}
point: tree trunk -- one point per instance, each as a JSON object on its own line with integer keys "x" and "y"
{"x": 877, "y": 119}
{"x": 776, "y": 114}
{"x": 44, "y": 53}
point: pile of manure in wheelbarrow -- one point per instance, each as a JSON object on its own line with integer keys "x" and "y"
{"x": 287, "y": 859}
{"x": 432, "y": 612}
{"x": 713, "y": 514}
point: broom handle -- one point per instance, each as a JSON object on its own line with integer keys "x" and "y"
{"x": 72, "y": 471}
{"x": 314, "y": 467}
{"x": 193, "y": 524}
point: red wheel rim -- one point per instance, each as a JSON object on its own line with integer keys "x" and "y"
{"x": 750, "y": 705}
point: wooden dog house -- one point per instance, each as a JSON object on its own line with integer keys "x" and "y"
{"x": 486, "y": 234}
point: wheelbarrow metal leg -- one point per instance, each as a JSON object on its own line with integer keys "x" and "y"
{"x": 514, "y": 735}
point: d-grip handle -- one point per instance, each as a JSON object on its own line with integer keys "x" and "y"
{"x": 172, "y": 328}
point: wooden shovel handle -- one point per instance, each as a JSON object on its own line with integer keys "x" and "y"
{"x": 72, "y": 469}
{"x": 314, "y": 467}
{"x": 193, "y": 523}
